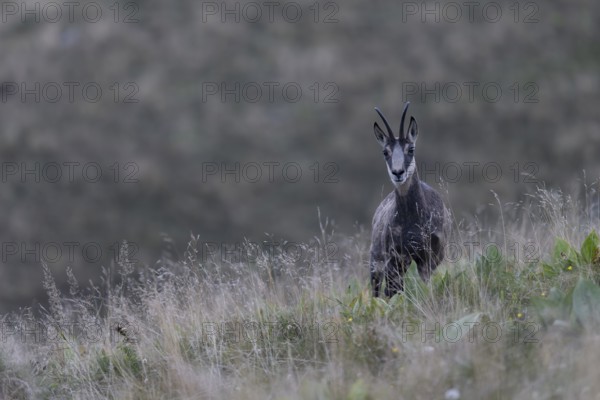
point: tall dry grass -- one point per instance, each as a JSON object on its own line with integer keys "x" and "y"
{"x": 490, "y": 324}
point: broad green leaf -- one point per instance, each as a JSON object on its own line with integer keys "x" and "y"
{"x": 377, "y": 305}
{"x": 394, "y": 303}
{"x": 586, "y": 303}
{"x": 589, "y": 248}
{"x": 557, "y": 306}
{"x": 414, "y": 288}
{"x": 563, "y": 252}
{"x": 561, "y": 249}
{"x": 381, "y": 302}
{"x": 550, "y": 270}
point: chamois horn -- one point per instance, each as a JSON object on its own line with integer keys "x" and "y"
{"x": 389, "y": 129}
{"x": 402, "y": 120}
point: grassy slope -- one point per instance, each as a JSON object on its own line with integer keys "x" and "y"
{"x": 313, "y": 331}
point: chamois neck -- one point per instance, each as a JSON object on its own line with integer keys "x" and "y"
{"x": 408, "y": 196}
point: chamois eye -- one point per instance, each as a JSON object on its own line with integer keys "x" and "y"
{"x": 386, "y": 152}
{"x": 411, "y": 150}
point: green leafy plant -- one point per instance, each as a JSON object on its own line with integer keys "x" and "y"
{"x": 578, "y": 307}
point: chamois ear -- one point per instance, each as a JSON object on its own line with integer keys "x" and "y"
{"x": 413, "y": 130}
{"x": 379, "y": 134}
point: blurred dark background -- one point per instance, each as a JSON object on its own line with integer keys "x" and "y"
{"x": 123, "y": 120}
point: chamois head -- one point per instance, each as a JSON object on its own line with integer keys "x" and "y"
{"x": 399, "y": 153}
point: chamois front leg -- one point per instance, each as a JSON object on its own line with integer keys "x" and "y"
{"x": 394, "y": 280}
{"x": 376, "y": 269}
{"x": 376, "y": 278}
{"x": 429, "y": 259}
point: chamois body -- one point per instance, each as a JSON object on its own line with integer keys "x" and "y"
{"x": 411, "y": 223}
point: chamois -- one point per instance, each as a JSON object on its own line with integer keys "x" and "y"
{"x": 411, "y": 223}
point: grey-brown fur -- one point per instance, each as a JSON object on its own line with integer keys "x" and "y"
{"x": 411, "y": 223}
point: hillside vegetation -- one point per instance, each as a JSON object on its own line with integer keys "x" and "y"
{"x": 153, "y": 152}
{"x": 516, "y": 319}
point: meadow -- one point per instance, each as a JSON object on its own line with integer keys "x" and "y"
{"x": 511, "y": 314}
{"x": 182, "y": 134}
